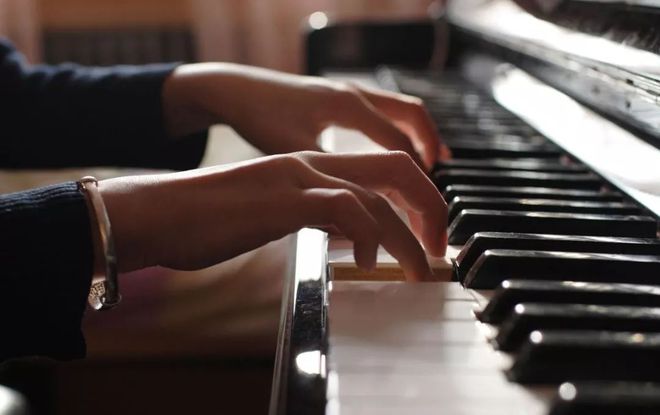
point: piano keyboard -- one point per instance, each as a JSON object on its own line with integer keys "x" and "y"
{"x": 560, "y": 313}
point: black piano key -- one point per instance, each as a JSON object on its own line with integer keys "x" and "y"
{"x": 538, "y": 165}
{"x": 439, "y": 113}
{"x": 499, "y": 142}
{"x": 558, "y": 356}
{"x": 455, "y": 138}
{"x": 497, "y": 265}
{"x": 461, "y": 203}
{"x": 477, "y": 149}
{"x": 465, "y": 103}
{"x": 483, "y": 241}
{"x": 528, "y": 317}
{"x": 485, "y": 123}
{"x": 444, "y": 178}
{"x": 488, "y": 123}
{"x": 513, "y": 292}
{"x": 607, "y": 398}
{"x": 529, "y": 192}
{"x": 485, "y": 126}
{"x": 471, "y": 221}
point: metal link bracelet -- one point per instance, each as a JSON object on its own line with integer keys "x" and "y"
{"x": 104, "y": 293}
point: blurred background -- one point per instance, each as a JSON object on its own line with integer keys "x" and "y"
{"x": 259, "y": 32}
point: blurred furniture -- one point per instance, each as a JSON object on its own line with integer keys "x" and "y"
{"x": 361, "y": 45}
{"x": 249, "y": 31}
{"x": 106, "y": 32}
{"x": 267, "y": 33}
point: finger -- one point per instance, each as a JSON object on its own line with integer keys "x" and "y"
{"x": 395, "y": 236}
{"x": 411, "y": 116}
{"x": 414, "y": 218}
{"x": 340, "y": 209}
{"x": 433, "y": 236}
{"x": 445, "y": 152}
{"x": 356, "y": 112}
{"x": 395, "y": 174}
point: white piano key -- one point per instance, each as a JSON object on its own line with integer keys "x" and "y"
{"x": 398, "y": 314}
{"x": 435, "y": 291}
{"x": 442, "y": 386}
{"x": 454, "y": 291}
{"x": 416, "y": 359}
{"x": 450, "y": 332}
{"x": 411, "y": 347}
{"x": 367, "y": 406}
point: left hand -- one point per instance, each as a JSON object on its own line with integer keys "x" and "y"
{"x": 281, "y": 113}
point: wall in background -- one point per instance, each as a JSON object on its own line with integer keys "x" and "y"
{"x": 259, "y": 32}
{"x": 19, "y": 22}
{"x": 86, "y": 14}
{"x": 269, "y": 33}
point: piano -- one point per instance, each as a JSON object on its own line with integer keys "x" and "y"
{"x": 554, "y": 195}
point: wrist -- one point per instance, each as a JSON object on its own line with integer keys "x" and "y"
{"x": 186, "y": 102}
{"x": 121, "y": 198}
{"x": 144, "y": 212}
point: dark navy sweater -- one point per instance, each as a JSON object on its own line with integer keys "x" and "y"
{"x": 67, "y": 116}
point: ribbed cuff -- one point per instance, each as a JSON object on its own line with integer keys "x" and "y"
{"x": 47, "y": 259}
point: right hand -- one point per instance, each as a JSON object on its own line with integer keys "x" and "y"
{"x": 283, "y": 113}
{"x": 194, "y": 219}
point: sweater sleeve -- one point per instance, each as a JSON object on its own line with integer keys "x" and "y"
{"x": 74, "y": 116}
{"x": 46, "y": 263}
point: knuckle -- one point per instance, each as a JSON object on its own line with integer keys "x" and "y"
{"x": 341, "y": 198}
{"x": 348, "y": 94}
{"x": 341, "y": 205}
{"x": 400, "y": 157}
{"x": 416, "y": 108}
{"x": 304, "y": 156}
{"x": 310, "y": 160}
{"x": 345, "y": 86}
{"x": 293, "y": 164}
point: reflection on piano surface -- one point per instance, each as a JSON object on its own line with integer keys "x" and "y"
{"x": 554, "y": 195}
